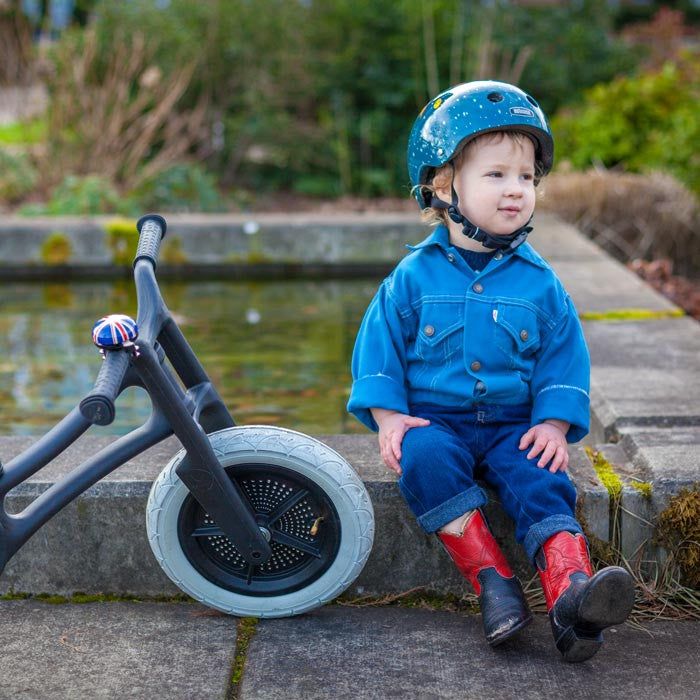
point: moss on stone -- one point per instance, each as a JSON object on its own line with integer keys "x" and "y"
{"x": 678, "y": 530}
{"x": 123, "y": 239}
{"x": 606, "y": 473}
{"x": 613, "y": 315}
{"x": 644, "y": 487}
{"x": 172, "y": 252}
{"x": 80, "y": 598}
{"x": 52, "y": 599}
{"x": 56, "y": 249}
{"x": 245, "y": 632}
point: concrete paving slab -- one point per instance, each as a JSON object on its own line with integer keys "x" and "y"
{"x": 557, "y": 241}
{"x": 604, "y": 285}
{"x": 644, "y": 373}
{"x": 382, "y": 653}
{"x": 667, "y": 459}
{"x": 114, "y": 651}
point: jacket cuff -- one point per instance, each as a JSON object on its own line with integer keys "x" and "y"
{"x": 567, "y": 403}
{"x": 376, "y": 391}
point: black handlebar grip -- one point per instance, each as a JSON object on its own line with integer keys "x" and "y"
{"x": 98, "y": 405}
{"x": 152, "y": 228}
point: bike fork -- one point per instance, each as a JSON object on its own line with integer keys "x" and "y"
{"x": 201, "y": 471}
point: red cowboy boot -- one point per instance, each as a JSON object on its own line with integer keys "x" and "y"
{"x": 480, "y": 560}
{"x": 580, "y": 604}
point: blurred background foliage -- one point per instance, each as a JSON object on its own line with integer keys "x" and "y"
{"x": 225, "y": 104}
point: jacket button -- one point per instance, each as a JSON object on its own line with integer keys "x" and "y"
{"x": 476, "y": 366}
{"x": 498, "y": 256}
{"x": 450, "y": 257}
{"x": 480, "y": 387}
{"x": 478, "y": 288}
{"x": 429, "y": 331}
{"x": 524, "y": 335}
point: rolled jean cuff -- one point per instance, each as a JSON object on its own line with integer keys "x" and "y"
{"x": 540, "y": 532}
{"x": 474, "y": 497}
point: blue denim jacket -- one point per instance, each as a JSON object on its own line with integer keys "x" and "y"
{"x": 437, "y": 332}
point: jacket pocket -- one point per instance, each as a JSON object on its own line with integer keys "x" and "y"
{"x": 441, "y": 332}
{"x": 517, "y": 331}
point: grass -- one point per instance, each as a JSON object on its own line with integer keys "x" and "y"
{"x": 23, "y": 133}
{"x": 245, "y": 632}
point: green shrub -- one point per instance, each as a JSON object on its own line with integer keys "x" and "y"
{"x": 17, "y": 177}
{"x": 180, "y": 188}
{"x": 320, "y": 97}
{"x": 643, "y": 123}
{"x": 316, "y": 185}
{"x": 88, "y": 195}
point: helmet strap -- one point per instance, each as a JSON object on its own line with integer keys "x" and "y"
{"x": 505, "y": 243}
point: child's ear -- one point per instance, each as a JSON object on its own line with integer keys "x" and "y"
{"x": 442, "y": 186}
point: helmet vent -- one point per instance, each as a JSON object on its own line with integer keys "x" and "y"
{"x": 495, "y": 97}
{"x": 532, "y": 101}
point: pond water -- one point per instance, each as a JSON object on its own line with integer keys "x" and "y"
{"x": 278, "y": 352}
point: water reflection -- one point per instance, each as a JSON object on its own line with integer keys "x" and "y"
{"x": 278, "y": 352}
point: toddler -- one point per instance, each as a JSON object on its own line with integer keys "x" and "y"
{"x": 471, "y": 363}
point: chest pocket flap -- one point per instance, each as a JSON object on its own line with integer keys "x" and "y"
{"x": 441, "y": 331}
{"x": 520, "y": 327}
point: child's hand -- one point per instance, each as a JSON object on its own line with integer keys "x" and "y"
{"x": 549, "y": 438}
{"x": 392, "y": 427}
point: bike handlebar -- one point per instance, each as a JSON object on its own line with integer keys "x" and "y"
{"x": 152, "y": 228}
{"x": 98, "y": 405}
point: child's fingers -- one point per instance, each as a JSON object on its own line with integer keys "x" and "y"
{"x": 527, "y": 439}
{"x": 386, "y": 450}
{"x": 540, "y": 444}
{"x": 561, "y": 460}
{"x": 415, "y": 422}
{"x": 395, "y": 444}
{"x": 549, "y": 451}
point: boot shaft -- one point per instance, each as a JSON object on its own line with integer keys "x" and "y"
{"x": 474, "y": 550}
{"x": 559, "y": 558}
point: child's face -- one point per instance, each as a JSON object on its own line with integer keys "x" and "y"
{"x": 495, "y": 183}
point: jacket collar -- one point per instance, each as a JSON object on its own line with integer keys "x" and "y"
{"x": 441, "y": 238}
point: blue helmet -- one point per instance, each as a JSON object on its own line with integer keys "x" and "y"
{"x": 459, "y": 114}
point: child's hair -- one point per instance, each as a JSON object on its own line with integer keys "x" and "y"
{"x": 442, "y": 176}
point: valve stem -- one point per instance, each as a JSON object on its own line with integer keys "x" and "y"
{"x": 314, "y": 528}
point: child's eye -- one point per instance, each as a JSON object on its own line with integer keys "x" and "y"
{"x": 495, "y": 173}
{"x": 528, "y": 176}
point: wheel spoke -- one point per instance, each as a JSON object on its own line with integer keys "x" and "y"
{"x": 286, "y": 505}
{"x": 295, "y": 543}
{"x": 208, "y": 531}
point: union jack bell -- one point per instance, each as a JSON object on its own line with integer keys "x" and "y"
{"x": 114, "y": 331}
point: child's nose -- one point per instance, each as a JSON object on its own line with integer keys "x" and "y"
{"x": 514, "y": 187}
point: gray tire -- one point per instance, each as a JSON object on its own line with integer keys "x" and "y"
{"x": 259, "y": 450}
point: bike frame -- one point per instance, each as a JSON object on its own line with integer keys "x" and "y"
{"x": 189, "y": 408}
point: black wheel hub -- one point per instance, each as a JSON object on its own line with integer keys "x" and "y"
{"x": 301, "y": 521}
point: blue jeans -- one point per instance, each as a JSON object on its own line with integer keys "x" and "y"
{"x": 440, "y": 463}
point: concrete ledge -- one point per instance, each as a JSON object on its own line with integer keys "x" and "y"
{"x": 214, "y": 241}
{"x": 98, "y": 543}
